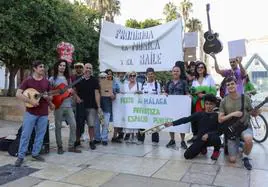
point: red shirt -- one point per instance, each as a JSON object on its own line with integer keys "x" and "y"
{"x": 41, "y": 86}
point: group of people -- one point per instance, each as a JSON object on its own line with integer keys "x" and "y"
{"x": 85, "y": 104}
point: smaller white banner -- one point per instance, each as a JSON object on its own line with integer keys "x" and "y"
{"x": 142, "y": 111}
{"x": 237, "y": 48}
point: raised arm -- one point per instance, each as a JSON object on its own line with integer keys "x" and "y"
{"x": 218, "y": 70}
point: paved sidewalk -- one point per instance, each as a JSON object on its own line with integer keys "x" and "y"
{"x": 123, "y": 165}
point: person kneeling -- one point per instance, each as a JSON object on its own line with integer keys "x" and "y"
{"x": 208, "y": 134}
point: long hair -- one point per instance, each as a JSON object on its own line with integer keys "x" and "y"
{"x": 66, "y": 71}
{"x": 180, "y": 64}
{"x": 205, "y": 68}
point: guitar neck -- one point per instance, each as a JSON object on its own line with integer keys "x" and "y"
{"x": 208, "y": 18}
{"x": 261, "y": 104}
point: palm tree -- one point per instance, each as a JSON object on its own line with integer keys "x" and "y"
{"x": 171, "y": 12}
{"x": 107, "y": 8}
{"x": 186, "y": 8}
{"x": 194, "y": 25}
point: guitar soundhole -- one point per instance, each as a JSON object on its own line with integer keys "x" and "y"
{"x": 35, "y": 96}
{"x": 210, "y": 37}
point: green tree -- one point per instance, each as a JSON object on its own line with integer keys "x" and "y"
{"x": 171, "y": 12}
{"x": 194, "y": 25}
{"x": 32, "y": 29}
{"x": 132, "y": 23}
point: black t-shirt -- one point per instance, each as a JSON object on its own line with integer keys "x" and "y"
{"x": 86, "y": 91}
{"x": 206, "y": 122}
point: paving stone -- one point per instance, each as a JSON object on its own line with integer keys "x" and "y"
{"x": 230, "y": 176}
{"x": 204, "y": 169}
{"x": 125, "y": 149}
{"x": 258, "y": 178}
{"x": 10, "y": 173}
{"x": 55, "y": 184}
{"x": 125, "y": 180}
{"x": 173, "y": 170}
{"x": 89, "y": 177}
{"x": 200, "y": 185}
{"x": 198, "y": 178}
{"x": 23, "y": 182}
{"x": 55, "y": 172}
{"x": 126, "y": 164}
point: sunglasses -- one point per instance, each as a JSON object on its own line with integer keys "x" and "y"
{"x": 230, "y": 84}
{"x": 78, "y": 67}
{"x": 200, "y": 67}
{"x": 132, "y": 75}
{"x": 233, "y": 61}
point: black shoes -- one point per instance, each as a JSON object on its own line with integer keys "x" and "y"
{"x": 92, "y": 145}
{"x": 38, "y": 158}
{"x": 116, "y": 140}
{"x": 60, "y": 151}
{"x": 104, "y": 143}
{"x": 183, "y": 145}
{"x": 171, "y": 143}
{"x": 19, "y": 162}
{"x": 247, "y": 163}
{"x": 96, "y": 141}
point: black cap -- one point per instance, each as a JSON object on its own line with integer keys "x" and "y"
{"x": 149, "y": 70}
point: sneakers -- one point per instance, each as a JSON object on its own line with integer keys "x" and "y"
{"x": 171, "y": 143}
{"x": 247, "y": 163}
{"x": 74, "y": 150}
{"x": 18, "y": 162}
{"x": 204, "y": 151}
{"x": 105, "y": 143}
{"x": 38, "y": 158}
{"x": 183, "y": 145}
{"x": 215, "y": 155}
{"x": 92, "y": 145}
{"x": 60, "y": 151}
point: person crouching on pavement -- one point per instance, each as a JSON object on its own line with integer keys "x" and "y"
{"x": 208, "y": 134}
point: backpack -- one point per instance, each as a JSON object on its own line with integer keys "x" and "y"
{"x": 155, "y": 86}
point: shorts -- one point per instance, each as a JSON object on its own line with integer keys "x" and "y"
{"x": 91, "y": 115}
{"x": 233, "y": 145}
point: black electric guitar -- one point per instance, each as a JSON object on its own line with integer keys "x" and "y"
{"x": 212, "y": 44}
{"x": 233, "y": 127}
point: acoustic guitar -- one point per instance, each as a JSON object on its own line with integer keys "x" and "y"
{"x": 212, "y": 43}
{"x": 59, "y": 93}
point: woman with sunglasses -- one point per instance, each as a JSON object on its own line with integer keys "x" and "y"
{"x": 202, "y": 84}
{"x": 131, "y": 86}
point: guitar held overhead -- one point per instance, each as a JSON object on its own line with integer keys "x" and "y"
{"x": 212, "y": 43}
{"x": 59, "y": 93}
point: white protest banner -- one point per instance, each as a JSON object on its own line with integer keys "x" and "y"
{"x": 125, "y": 49}
{"x": 237, "y": 48}
{"x": 142, "y": 111}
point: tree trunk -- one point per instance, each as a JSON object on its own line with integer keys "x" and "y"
{"x": 11, "y": 87}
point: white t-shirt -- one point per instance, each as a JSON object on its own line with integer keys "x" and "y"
{"x": 135, "y": 88}
{"x": 151, "y": 88}
{"x": 207, "y": 81}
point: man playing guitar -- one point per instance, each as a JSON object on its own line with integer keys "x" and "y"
{"x": 36, "y": 116}
{"x": 61, "y": 75}
{"x": 230, "y": 107}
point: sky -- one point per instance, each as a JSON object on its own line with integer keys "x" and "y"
{"x": 232, "y": 19}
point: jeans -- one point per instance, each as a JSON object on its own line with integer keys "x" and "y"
{"x": 31, "y": 121}
{"x": 68, "y": 114}
{"x": 101, "y": 130}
